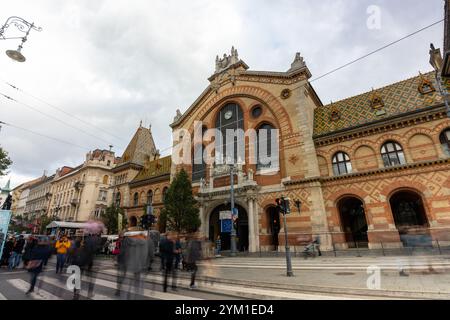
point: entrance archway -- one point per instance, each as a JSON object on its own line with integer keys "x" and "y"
{"x": 353, "y": 221}
{"x": 410, "y": 218}
{"x": 241, "y": 232}
{"x": 273, "y": 217}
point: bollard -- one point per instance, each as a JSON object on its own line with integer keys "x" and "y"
{"x": 260, "y": 251}
{"x": 334, "y": 250}
{"x": 382, "y": 248}
{"x": 357, "y": 249}
{"x": 295, "y": 251}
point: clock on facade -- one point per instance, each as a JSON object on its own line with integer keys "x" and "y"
{"x": 228, "y": 115}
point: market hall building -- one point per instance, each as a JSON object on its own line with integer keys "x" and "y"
{"x": 368, "y": 170}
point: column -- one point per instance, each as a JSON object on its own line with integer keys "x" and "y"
{"x": 202, "y": 220}
{"x": 256, "y": 218}
{"x": 251, "y": 226}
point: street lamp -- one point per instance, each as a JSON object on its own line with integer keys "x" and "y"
{"x": 436, "y": 62}
{"x": 23, "y": 26}
{"x": 234, "y": 216}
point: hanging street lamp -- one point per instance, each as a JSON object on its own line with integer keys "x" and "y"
{"x": 23, "y": 26}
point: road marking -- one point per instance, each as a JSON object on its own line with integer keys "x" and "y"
{"x": 2, "y": 297}
{"x": 62, "y": 285}
{"x": 38, "y": 294}
{"x": 230, "y": 289}
{"x": 146, "y": 292}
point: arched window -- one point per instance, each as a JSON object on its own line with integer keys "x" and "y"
{"x": 392, "y": 154}
{"x": 136, "y": 199}
{"x": 149, "y": 197}
{"x": 118, "y": 196}
{"x": 341, "y": 164}
{"x": 198, "y": 163}
{"x": 444, "y": 138}
{"x": 230, "y": 117}
{"x": 264, "y": 146}
{"x": 164, "y": 193}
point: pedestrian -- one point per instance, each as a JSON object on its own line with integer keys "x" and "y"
{"x": 62, "y": 246}
{"x": 16, "y": 255}
{"x": 168, "y": 254}
{"x": 317, "y": 245}
{"x": 218, "y": 245}
{"x": 162, "y": 241}
{"x": 7, "y": 251}
{"x": 178, "y": 252}
{"x": 40, "y": 252}
{"x": 194, "y": 254}
{"x": 133, "y": 257}
{"x": 83, "y": 256}
{"x": 30, "y": 243}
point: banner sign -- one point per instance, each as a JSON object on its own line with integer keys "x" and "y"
{"x": 225, "y": 225}
{"x": 5, "y": 217}
{"x": 224, "y": 215}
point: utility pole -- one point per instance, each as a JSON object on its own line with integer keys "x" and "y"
{"x": 233, "y": 228}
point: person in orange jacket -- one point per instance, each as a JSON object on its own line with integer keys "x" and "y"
{"x": 62, "y": 246}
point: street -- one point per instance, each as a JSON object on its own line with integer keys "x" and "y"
{"x": 323, "y": 278}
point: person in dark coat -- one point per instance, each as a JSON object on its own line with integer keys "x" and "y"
{"x": 39, "y": 253}
{"x": 194, "y": 254}
{"x": 83, "y": 256}
{"x": 168, "y": 254}
{"x": 16, "y": 255}
{"x": 7, "y": 249}
{"x": 30, "y": 244}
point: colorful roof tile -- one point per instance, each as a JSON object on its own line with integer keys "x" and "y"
{"x": 397, "y": 98}
{"x": 155, "y": 168}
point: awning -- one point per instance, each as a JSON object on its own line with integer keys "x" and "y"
{"x": 64, "y": 224}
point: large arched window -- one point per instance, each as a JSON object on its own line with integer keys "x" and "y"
{"x": 198, "y": 164}
{"x": 444, "y": 138}
{"x": 341, "y": 164}
{"x": 149, "y": 197}
{"x": 136, "y": 199}
{"x": 392, "y": 154}
{"x": 230, "y": 118}
{"x": 267, "y": 147}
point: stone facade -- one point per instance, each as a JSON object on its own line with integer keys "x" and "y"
{"x": 373, "y": 203}
{"x": 82, "y": 193}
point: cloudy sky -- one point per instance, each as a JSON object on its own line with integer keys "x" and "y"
{"x": 114, "y": 63}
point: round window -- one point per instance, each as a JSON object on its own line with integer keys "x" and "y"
{"x": 256, "y": 112}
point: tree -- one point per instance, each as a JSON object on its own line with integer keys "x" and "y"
{"x": 5, "y": 161}
{"x": 110, "y": 218}
{"x": 44, "y": 221}
{"x": 180, "y": 213}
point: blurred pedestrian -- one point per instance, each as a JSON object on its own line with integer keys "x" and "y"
{"x": 317, "y": 245}
{"x": 29, "y": 245}
{"x": 178, "y": 252}
{"x": 7, "y": 250}
{"x": 168, "y": 254}
{"x": 62, "y": 246}
{"x": 218, "y": 245}
{"x": 16, "y": 255}
{"x": 40, "y": 252}
{"x": 162, "y": 241}
{"x": 194, "y": 250}
{"x": 133, "y": 257}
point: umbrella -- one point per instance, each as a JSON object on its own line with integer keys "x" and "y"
{"x": 94, "y": 227}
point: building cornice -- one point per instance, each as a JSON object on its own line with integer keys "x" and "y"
{"x": 369, "y": 173}
{"x": 152, "y": 180}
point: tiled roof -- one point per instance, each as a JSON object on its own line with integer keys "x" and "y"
{"x": 140, "y": 149}
{"x": 155, "y": 168}
{"x": 397, "y": 98}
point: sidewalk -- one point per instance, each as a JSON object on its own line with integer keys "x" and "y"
{"x": 341, "y": 276}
